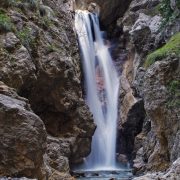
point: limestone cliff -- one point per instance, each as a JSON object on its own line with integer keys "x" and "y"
{"x": 45, "y": 124}
{"x": 149, "y": 113}
{"x": 44, "y": 120}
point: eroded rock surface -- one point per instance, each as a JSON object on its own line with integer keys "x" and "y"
{"x": 172, "y": 173}
{"x": 23, "y": 137}
{"x": 39, "y": 57}
{"x": 156, "y": 145}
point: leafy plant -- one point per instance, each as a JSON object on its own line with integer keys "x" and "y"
{"x": 26, "y": 37}
{"x": 172, "y": 46}
{"x": 51, "y": 48}
{"x": 5, "y": 22}
{"x": 167, "y": 12}
{"x": 174, "y": 90}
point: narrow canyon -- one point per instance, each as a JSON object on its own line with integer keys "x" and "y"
{"x": 89, "y": 89}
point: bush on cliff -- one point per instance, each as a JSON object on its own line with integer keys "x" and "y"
{"x": 167, "y": 12}
{"x": 172, "y": 47}
{"x": 25, "y": 35}
{"x": 5, "y": 22}
{"x": 174, "y": 90}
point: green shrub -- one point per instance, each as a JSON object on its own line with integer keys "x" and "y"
{"x": 51, "y": 48}
{"x": 167, "y": 13}
{"x": 172, "y": 46}
{"x": 46, "y": 22}
{"x": 5, "y": 22}
{"x": 174, "y": 90}
{"x": 26, "y": 37}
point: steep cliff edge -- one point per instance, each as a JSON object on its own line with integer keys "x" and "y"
{"x": 39, "y": 58}
{"x": 149, "y": 131}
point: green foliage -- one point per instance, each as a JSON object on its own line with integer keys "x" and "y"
{"x": 26, "y": 37}
{"x": 172, "y": 46}
{"x": 46, "y": 22}
{"x": 46, "y": 16}
{"x": 174, "y": 90}
{"x": 5, "y": 22}
{"x": 167, "y": 12}
{"x": 52, "y": 48}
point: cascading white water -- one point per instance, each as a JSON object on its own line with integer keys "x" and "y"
{"x": 102, "y": 84}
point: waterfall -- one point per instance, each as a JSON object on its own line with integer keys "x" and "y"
{"x": 101, "y": 86}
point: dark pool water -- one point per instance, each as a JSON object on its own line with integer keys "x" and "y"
{"x": 103, "y": 175}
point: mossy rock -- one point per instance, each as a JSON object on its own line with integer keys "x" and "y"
{"x": 174, "y": 90}
{"x": 5, "y": 22}
{"x": 25, "y": 35}
{"x": 171, "y": 47}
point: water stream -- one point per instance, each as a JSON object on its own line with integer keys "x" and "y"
{"x": 101, "y": 86}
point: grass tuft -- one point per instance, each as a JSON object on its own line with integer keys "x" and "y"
{"x": 26, "y": 37}
{"x": 171, "y": 47}
{"x": 174, "y": 90}
{"x": 5, "y": 22}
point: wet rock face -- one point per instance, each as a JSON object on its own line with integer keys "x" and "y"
{"x": 23, "y": 137}
{"x": 110, "y": 10}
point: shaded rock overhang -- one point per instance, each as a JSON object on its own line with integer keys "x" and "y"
{"x": 110, "y": 10}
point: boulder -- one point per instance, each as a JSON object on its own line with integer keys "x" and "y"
{"x": 23, "y": 137}
{"x": 172, "y": 173}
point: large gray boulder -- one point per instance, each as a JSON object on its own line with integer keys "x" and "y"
{"x": 23, "y": 137}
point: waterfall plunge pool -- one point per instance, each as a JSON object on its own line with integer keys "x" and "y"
{"x": 101, "y": 83}
{"x": 123, "y": 174}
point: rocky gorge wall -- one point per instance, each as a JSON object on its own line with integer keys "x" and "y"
{"x": 44, "y": 121}
{"x": 149, "y": 92}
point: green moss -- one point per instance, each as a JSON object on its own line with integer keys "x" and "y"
{"x": 174, "y": 90}
{"x": 172, "y": 46}
{"x": 168, "y": 14}
{"x": 5, "y": 22}
{"x": 46, "y": 22}
{"x": 51, "y": 48}
{"x": 26, "y": 37}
